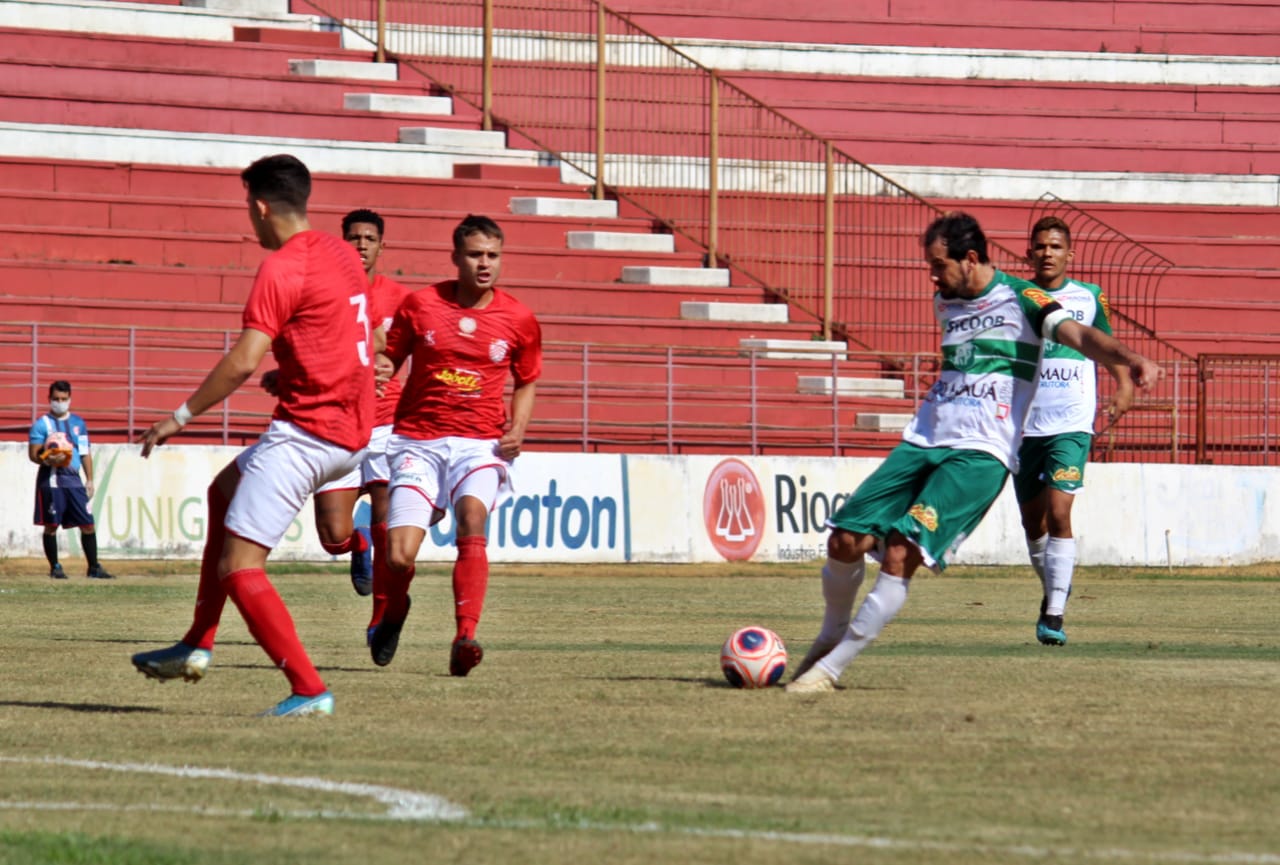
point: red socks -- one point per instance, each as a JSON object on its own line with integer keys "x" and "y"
{"x": 354, "y": 543}
{"x": 272, "y": 626}
{"x": 381, "y": 576}
{"x": 470, "y": 582}
{"x": 211, "y": 596}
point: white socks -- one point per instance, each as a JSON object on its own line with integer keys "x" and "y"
{"x": 878, "y": 608}
{"x": 840, "y": 584}
{"x": 1059, "y": 563}
{"x": 1036, "y": 549}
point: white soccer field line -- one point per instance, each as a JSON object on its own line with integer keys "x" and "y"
{"x": 412, "y": 806}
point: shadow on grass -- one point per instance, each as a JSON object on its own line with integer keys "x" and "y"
{"x": 92, "y": 708}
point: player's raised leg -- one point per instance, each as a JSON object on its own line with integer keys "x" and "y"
{"x": 190, "y": 657}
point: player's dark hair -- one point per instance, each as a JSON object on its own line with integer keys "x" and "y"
{"x": 1051, "y": 223}
{"x": 474, "y": 224}
{"x": 281, "y": 180}
{"x": 60, "y": 385}
{"x": 362, "y": 215}
{"x": 960, "y": 232}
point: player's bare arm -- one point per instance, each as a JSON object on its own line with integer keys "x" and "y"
{"x": 232, "y": 371}
{"x": 1122, "y": 399}
{"x": 1108, "y": 351}
{"x": 521, "y": 411}
{"x": 86, "y": 463}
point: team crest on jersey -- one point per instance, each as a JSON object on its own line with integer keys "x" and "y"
{"x": 963, "y": 355}
{"x": 498, "y": 350}
{"x": 429, "y": 337}
{"x": 925, "y": 515}
{"x": 466, "y": 325}
{"x": 1070, "y": 473}
{"x": 1037, "y": 296}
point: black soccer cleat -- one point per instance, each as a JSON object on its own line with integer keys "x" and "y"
{"x": 385, "y": 638}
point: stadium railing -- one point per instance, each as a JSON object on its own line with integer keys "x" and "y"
{"x": 611, "y": 398}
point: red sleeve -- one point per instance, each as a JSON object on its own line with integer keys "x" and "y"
{"x": 400, "y": 336}
{"x": 526, "y": 360}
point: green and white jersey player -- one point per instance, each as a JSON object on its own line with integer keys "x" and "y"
{"x": 1059, "y": 431}
{"x": 935, "y": 487}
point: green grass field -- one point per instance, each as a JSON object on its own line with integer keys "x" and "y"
{"x": 599, "y": 728}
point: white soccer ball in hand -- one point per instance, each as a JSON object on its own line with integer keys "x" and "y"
{"x": 753, "y": 657}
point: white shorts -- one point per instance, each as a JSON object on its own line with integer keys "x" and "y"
{"x": 372, "y": 469}
{"x": 277, "y": 475}
{"x": 431, "y": 475}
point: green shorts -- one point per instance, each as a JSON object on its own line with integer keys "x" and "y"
{"x": 935, "y": 497}
{"x": 1051, "y": 461}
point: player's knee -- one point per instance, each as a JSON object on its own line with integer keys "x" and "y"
{"x": 846, "y": 546}
{"x": 333, "y": 533}
{"x": 399, "y": 560}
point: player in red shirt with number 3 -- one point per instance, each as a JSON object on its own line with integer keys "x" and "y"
{"x": 309, "y": 305}
{"x": 452, "y": 445}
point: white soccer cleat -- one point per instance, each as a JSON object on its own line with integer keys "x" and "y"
{"x": 815, "y": 681}
{"x": 821, "y": 647}
{"x": 178, "y": 661}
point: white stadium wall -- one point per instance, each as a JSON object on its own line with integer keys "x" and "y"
{"x": 614, "y": 508}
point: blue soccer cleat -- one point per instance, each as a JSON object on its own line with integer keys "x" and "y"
{"x": 1049, "y": 631}
{"x": 178, "y": 661}
{"x": 296, "y": 705}
{"x": 362, "y": 566}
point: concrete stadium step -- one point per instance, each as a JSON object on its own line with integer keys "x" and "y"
{"x": 147, "y": 213}
{"x": 204, "y": 186}
{"x": 394, "y": 103}
{"x": 696, "y": 310}
{"x": 205, "y": 120}
{"x": 673, "y": 274}
{"x": 163, "y": 21}
{"x": 1202, "y": 242}
{"x": 604, "y": 329}
{"x": 557, "y": 206}
{"x": 235, "y": 151}
{"x": 130, "y": 50}
{"x": 882, "y": 421}
{"x": 793, "y": 349}
{"x": 617, "y": 240}
{"x": 1046, "y": 25}
{"x": 850, "y": 386}
{"x": 350, "y": 70}
{"x": 125, "y": 293}
{"x": 189, "y": 249}
{"x": 1098, "y": 101}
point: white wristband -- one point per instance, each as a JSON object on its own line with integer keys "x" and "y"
{"x": 182, "y": 415}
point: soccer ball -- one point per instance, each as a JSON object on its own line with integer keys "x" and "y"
{"x": 753, "y": 657}
{"x": 56, "y": 450}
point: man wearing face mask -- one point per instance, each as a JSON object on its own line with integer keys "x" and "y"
{"x": 62, "y": 499}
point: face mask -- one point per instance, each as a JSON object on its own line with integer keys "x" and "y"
{"x": 59, "y": 407}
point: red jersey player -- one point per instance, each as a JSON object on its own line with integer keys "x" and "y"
{"x": 309, "y": 306}
{"x": 452, "y": 445}
{"x": 364, "y": 230}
